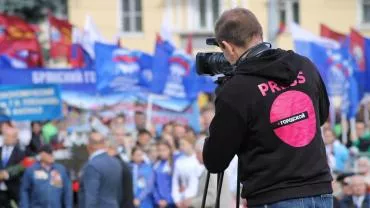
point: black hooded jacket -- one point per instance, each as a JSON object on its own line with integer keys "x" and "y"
{"x": 270, "y": 114}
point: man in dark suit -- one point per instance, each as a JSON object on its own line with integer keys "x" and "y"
{"x": 359, "y": 197}
{"x": 10, "y": 154}
{"x": 127, "y": 199}
{"x": 101, "y": 177}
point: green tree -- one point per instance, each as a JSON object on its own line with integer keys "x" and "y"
{"x": 34, "y": 11}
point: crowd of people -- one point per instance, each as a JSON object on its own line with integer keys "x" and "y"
{"x": 350, "y": 165}
{"x": 144, "y": 167}
{"x": 123, "y": 167}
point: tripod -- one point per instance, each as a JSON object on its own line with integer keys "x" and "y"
{"x": 220, "y": 177}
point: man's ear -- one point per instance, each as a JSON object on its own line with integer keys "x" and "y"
{"x": 228, "y": 47}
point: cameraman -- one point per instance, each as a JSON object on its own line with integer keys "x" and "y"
{"x": 269, "y": 113}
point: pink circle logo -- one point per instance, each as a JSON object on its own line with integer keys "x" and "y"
{"x": 293, "y": 118}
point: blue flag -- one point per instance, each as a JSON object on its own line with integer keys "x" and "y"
{"x": 338, "y": 70}
{"x": 11, "y": 62}
{"x": 162, "y": 54}
{"x": 119, "y": 69}
{"x": 366, "y": 73}
{"x": 346, "y": 69}
{"x": 174, "y": 72}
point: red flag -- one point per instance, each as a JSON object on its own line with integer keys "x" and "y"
{"x": 17, "y": 36}
{"x": 76, "y": 56}
{"x": 281, "y": 29}
{"x": 357, "y": 47}
{"x": 325, "y": 31}
{"x": 60, "y": 37}
{"x": 189, "y": 46}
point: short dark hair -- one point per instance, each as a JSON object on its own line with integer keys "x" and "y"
{"x": 135, "y": 149}
{"x": 121, "y": 115}
{"x": 139, "y": 113}
{"x": 237, "y": 26}
{"x": 144, "y": 131}
{"x": 97, "y": 140}
{"x": 9, "y": 123}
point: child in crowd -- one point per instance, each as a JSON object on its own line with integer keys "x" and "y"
{"x": 143, "y": 178}
{"x": 153, "y": 154}
{"x": 186, "y": 172}
{"x": 163, "y": 176}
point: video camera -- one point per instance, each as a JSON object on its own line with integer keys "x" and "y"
{"x": 212, "y": 63}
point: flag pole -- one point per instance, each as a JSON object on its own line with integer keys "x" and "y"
{"x": 344, "y": 128}
{"x": 149, "y": 111}
{"x": 353, "y": 128}
{"x": 149, "y": 108}
{"x": 332, "y": 113}
{"x": 366, "y": 112}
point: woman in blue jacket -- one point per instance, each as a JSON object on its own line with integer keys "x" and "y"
{"x": 143, "y": 179}
{"x": 163, "y": 176}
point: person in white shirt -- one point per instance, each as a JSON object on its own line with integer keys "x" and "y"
{"x": 226, "y": 195}
{"x": 186, "y": 173}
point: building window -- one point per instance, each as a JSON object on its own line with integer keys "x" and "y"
{"x": 365, "y": 7}
{"x": 295, "y": 8}
{"x": 209, "y": 10}
{"x": 289, "y": 11}
{"x": 131, "y": 16}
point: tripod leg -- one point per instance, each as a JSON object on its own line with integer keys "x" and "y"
{"x": 205, "y": 191}
{"x": 219, "y": 188}
{"x": 238, "y": 186}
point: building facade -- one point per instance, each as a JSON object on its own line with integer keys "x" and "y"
{"x": 137, "y": 22}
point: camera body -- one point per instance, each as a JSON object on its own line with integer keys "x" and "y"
{"x": 214, "y": 63}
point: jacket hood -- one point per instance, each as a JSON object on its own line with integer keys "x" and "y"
{"x": 275, "y": 64}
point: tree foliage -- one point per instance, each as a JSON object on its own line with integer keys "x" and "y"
{"x": 34, "y": 11}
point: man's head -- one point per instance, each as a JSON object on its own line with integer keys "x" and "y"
{"x": 360, "y": 128}
{"x": 329, "y": 136}
{"x": 363, "y": 166}
{"x": 358, "y": 185}
{"x": 111, "y": 146}
{"x": 46, "y": 155}
{"x": 119, "y": 135}
{"x": 96, "y": 142}
{"x": 119, "y": 121}
{"x": 346, "y": 187}
{"x": 179, "y": 131}
{"x": 144, "y": 137}
{"x": 36, "y": 127}
{"x": 140, "y": 120}
{"x": 10, "y": 133}
{"x": 236, "y": 31}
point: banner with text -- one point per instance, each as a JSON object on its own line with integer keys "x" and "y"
{"x": 77, "y": 80}
{"x": 31, "y": 103}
